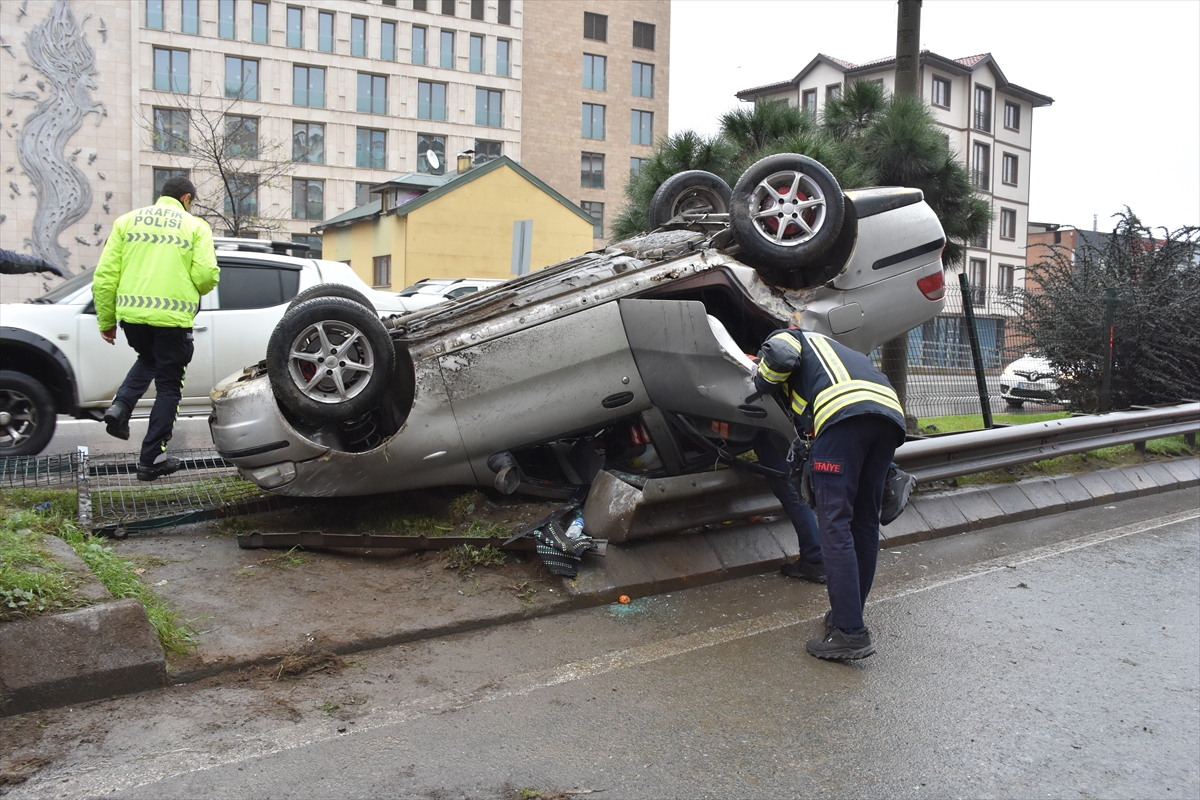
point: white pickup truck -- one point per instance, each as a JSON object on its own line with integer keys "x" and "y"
{"x": 53, "y": 361}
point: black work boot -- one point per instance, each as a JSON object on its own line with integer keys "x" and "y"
{"x": 805, "y": 570}
{"x": 116, "y": 420}
{"x": 155, "y": 471}
{"x": 841, "y": 646}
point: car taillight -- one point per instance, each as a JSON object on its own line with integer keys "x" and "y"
{"x": 933, "y": 286}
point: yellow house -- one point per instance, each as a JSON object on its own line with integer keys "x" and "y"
{"x": 495, "y": 220}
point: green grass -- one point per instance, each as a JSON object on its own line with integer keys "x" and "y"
{"x": 30, "y": 581}
{"x": 18, "y": 526}
{"x": 466, "y": 557}
{"x": 974, "y": 422}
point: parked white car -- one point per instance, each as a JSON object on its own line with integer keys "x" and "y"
{"x": 1031, "y": 378}
{"x": 431, "y": 291}
{"x": 53, "y": 361}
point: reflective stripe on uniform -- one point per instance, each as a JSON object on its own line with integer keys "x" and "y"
{"x": 833, "y": 365}
{"x": 165, "y": 303}
{"x": 770, "y": 374}
{"x": 838, "y": 396}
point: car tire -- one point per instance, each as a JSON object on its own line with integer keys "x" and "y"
{"x": 319, "y": 329}
{"x": 776, "y": 237}
{"x": 27, "y": 415}
{"x": 1014, "y": 403}
{"x": 692, "y": 192}
{"x": 332, "y": 290}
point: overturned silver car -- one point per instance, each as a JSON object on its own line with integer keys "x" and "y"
{"x": 630, "y": 362}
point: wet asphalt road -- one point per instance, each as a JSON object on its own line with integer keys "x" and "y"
{"x": 191, "y": 432}
{"x": 1055, "y": 658}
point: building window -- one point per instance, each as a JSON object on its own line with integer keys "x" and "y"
{"x": 978, "y": 279}
{"x": 641, "y": 127}
{"x": 431, "y": 100}
{"x": 170, "y": 70}
{"x": 596, "y": 212}
{"x": 154, "y": 14}
{"x": 308, "y": 142}
{"x": 241, "y": 196}
{"x": 308, "y": 199}
{"x": 476, "y": 58}
{"x": 387, "y": 40}
{"x": 643, "y": 35}
{"x": 1008, "y": 224}
{"x": 1009, "y": 173}
{"x": 325, "y": 31}
{"x": 808, "y": 101}
{"x": 833, "y": 92}
{"x": 161, "y": 176}
{"x": 1004, "y": 278}
{"x": 595, "y": 26}
{"x": 592, "y": 171}
{"x": 429, "y": 143}
{"x": 171, "y": 130}
{"x": 489, "y": 109}
{"x": 594, "y": 69}
{"x": 419, "y": 5}
{"x": 313, "y": 242}
{"x": 362, "y": 194}
{"x": 241, "y": 136}
{"x": 308, "y": 86}
{"x": 982, "y": 166}
{"x": 502, "y": 61}
{"x": 358, "y": 36}
{"x": 372, "y": 93}
{"x": 226, "y": 19}
{"x": 476, "y": 9}
{"x": 370, "y": 148}
{"x": 447, "y": 52}
{"x": 189, "y": 22}
{"x": 643, "y": 79}
{"x": 593, "y": 121}
{"x": 448, "y": 7}
{"x": 486, "y": 151}
{"x": 260, "y": 30}
{"x": 941, "y": 92}
{"x": 980, "y": 241}
{"x": 383, "y": 270}
{"x": 504, "y": 12}
{"x": 1012, "y": 115}
{"x": 295, "y": 27}
{"x": 418, "y": 45}
{"x": 983, "y": 109}
{"x": 635, "y": 166}
{"x": 241, "y": 78}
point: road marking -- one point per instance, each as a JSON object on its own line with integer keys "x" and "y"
{"x": 176, "y": 763}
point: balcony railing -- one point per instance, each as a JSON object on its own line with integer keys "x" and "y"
{"x": 983, "y": 121}
{"x": 980, "y": 179}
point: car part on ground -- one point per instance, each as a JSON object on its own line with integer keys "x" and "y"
{"x": 690, "y": 195}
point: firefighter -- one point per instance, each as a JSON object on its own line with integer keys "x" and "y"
{"x": 839, "y": 398}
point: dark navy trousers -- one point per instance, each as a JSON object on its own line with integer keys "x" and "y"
{"x": 163, "y": 356}
{"x": 850, "y": 461}
{"x": 772, "y": 452}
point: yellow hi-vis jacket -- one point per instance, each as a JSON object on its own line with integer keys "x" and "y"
{"x": 156, "y": 264}
{"x": 825, "y": 379}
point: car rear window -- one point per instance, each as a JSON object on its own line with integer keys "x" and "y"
{"x": 256, "y": 287}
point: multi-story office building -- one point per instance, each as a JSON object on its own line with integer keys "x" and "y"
{"x": 594, "y": 95}
{"x": 987, "y": 120}
{"x": 99, "y": 94}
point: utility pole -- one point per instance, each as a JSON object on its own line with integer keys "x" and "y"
{"x": 908, "y": 82}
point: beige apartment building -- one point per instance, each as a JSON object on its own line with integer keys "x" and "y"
{"x": 594, "y": 96}
{"x": 98, "y": 94}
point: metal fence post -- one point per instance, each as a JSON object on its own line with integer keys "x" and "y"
{"x": 976, "y": 354}
{"x": 83, "y": 493}
{"x": 1110, "y": 308}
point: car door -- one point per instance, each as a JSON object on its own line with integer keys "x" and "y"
{"x": 251, "y": 299}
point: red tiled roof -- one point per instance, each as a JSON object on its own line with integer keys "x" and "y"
{"x": 970, "y": 61}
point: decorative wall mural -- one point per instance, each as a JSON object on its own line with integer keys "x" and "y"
{"x": 59, "y": 50}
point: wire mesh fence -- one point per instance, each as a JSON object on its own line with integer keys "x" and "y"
{"x": 29, "y": 472}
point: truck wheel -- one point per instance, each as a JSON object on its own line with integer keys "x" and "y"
{"x": 691, "y": 192}
{"x": 332, "y": 290}
{"x": 27, "y": 415}
{"x": 330, "y": 359}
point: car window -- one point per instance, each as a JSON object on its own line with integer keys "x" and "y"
{"x": 256, "y": 287}
{"x": 67, "y": 288}
{"x": 461, "y": 291}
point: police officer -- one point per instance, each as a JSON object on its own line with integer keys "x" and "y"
{"x": 857, "y": 423}
{"x": 156, "y": 264}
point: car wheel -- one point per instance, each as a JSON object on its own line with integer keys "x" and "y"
{"x": 332, "y": 290}
{"x": 1015, "y": 403}
{"x": 27, "y": 415}
{"x": 330, "y": 359}
{"x": 691, "y": 192}
{"x": 786, "y": 210}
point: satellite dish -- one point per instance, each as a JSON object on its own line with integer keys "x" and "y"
{"x": 432, "y": 159}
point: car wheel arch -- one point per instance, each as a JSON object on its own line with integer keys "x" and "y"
{"x": 42, "y": 360}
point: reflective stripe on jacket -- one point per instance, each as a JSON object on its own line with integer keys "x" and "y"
{"x": 156, "y": 264}
{"x": 826, "y": 379}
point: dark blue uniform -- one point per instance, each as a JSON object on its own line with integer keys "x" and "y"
{"x": 852, "y": 410}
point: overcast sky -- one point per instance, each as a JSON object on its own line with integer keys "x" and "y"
{"x": 1124, "y": 128}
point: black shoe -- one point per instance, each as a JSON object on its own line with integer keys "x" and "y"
{"x": 841, "y": 646}
{"x": 827, "y": 621}
{"x": 116, "y": 420}
{"x": 805, "y": 570}
{"x": 155, "y": 471}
